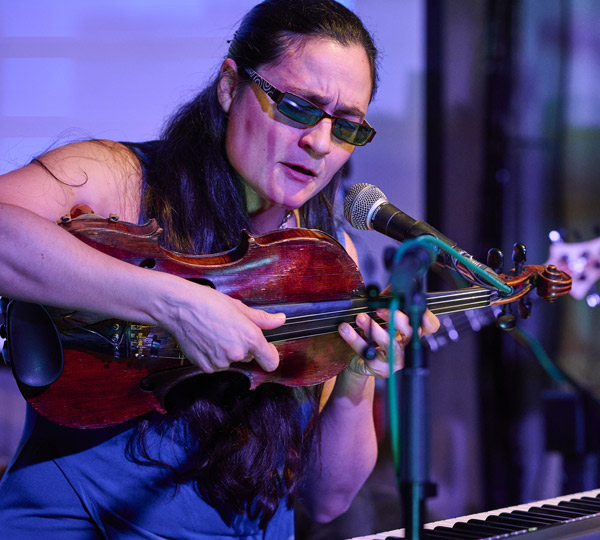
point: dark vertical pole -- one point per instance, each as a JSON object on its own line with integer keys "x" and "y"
{"x": 497, "y": 375}
{"x": 434, "y": 125}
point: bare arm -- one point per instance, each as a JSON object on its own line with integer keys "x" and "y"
{"x": 40, "y": 262}
{"x": 348, "y": 449}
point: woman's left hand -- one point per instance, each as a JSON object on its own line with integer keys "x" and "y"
{"x": 380, "y": 339}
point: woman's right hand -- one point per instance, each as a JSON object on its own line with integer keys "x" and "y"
{"x": 214, "y": 330}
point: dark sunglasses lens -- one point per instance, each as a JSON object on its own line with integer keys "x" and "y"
{"x": 351, "y": 132}
{"x": 300, "y": 110}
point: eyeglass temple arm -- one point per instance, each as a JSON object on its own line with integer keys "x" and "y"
{"x": 266, "y": 86}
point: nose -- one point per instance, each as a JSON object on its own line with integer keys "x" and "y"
{"x": 317, "y": 139}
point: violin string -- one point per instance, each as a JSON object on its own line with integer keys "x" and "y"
{"x": 327, "y": 322}
{"x": 439, "y": 307}
{"x": 438, "y": 301}
{"x": 310, "y": 331}
{"x": 311, "y": 325}
{"x": 459, "y": 324}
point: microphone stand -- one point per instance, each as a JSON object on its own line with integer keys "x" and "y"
{"x": 411, "y": 262}
{"x": 408, "y": 274}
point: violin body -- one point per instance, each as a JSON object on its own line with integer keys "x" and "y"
{"x": 117, "y": 370}
{"x": 85, "y": 370}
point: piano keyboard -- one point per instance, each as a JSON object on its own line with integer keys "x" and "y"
{"x": 570, "y": 516}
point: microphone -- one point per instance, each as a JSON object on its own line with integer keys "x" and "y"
{"x": 367, "y": 208}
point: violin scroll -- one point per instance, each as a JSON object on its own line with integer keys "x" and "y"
{"x": 553, "y": 283}
{"x": 548, "y": 281}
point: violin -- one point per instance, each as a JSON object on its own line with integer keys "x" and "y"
{"x": 86, "y": 371}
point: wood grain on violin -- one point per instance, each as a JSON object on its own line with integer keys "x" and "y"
{"x": 112, "y": 370}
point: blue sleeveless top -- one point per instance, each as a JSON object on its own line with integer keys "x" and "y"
{"x": 66, "y": 483}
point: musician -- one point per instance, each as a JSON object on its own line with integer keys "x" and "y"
{"x": 226, "y": 461}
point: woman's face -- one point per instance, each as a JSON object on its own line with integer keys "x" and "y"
{"x": 283, "y": 162}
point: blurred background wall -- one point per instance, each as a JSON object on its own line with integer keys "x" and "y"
{"x": 488, "y": 126}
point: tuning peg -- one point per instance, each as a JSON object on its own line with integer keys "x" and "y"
{"x": 524, "y": 306}
{"x": 495, "y": 259}
{"x": 519, "y": 256}
{"x": 506, "y": 320}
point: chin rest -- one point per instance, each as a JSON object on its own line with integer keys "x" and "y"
{"x": 32, "y": 343}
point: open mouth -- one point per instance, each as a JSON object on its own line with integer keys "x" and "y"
{"x": 300, "y": 169}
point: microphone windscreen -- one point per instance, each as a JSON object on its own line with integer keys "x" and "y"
{"x": 360, "y": 202}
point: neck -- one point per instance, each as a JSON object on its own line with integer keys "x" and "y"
{"x": 269, "y": 220}
{"x": 264, "y": 216}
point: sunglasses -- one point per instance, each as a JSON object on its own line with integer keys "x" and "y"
{"x": 304, "y": 112}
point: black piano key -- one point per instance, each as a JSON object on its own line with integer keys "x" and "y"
{"x": 458, "y": 533}
{"x": 569, "y": 514}
{"x": 514, "y": 524}
{"x": 577, "y": 505}
{"x": 497, "y": 526}
{"x": 532, "y": 518}
{"x": 446, "y": 533}
{"x": 527, "y": 521}
{"x": 545, "y": 514}
{"x": 484, "y": 530}
{"x": 463, "y": 534}
{"x": 559, "y": 515}
{"x": 588, "y": 500}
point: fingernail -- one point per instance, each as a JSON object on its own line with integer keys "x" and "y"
{"x": 344, "y": 329}
{"x": 362, "y": 318}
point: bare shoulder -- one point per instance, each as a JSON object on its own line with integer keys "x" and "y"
{"x": 350, "y": 247}
{"x": 105, "y": 175}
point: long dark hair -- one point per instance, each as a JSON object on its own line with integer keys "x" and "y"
{"x": 252, "y": 447}
{"x": 192, "y": 190}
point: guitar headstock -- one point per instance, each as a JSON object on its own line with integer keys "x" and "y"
{"x": 581, "y": 260}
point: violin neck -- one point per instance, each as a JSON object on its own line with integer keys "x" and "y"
{"x": 440, "y": 303}
{"x": 309, "y": 319}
